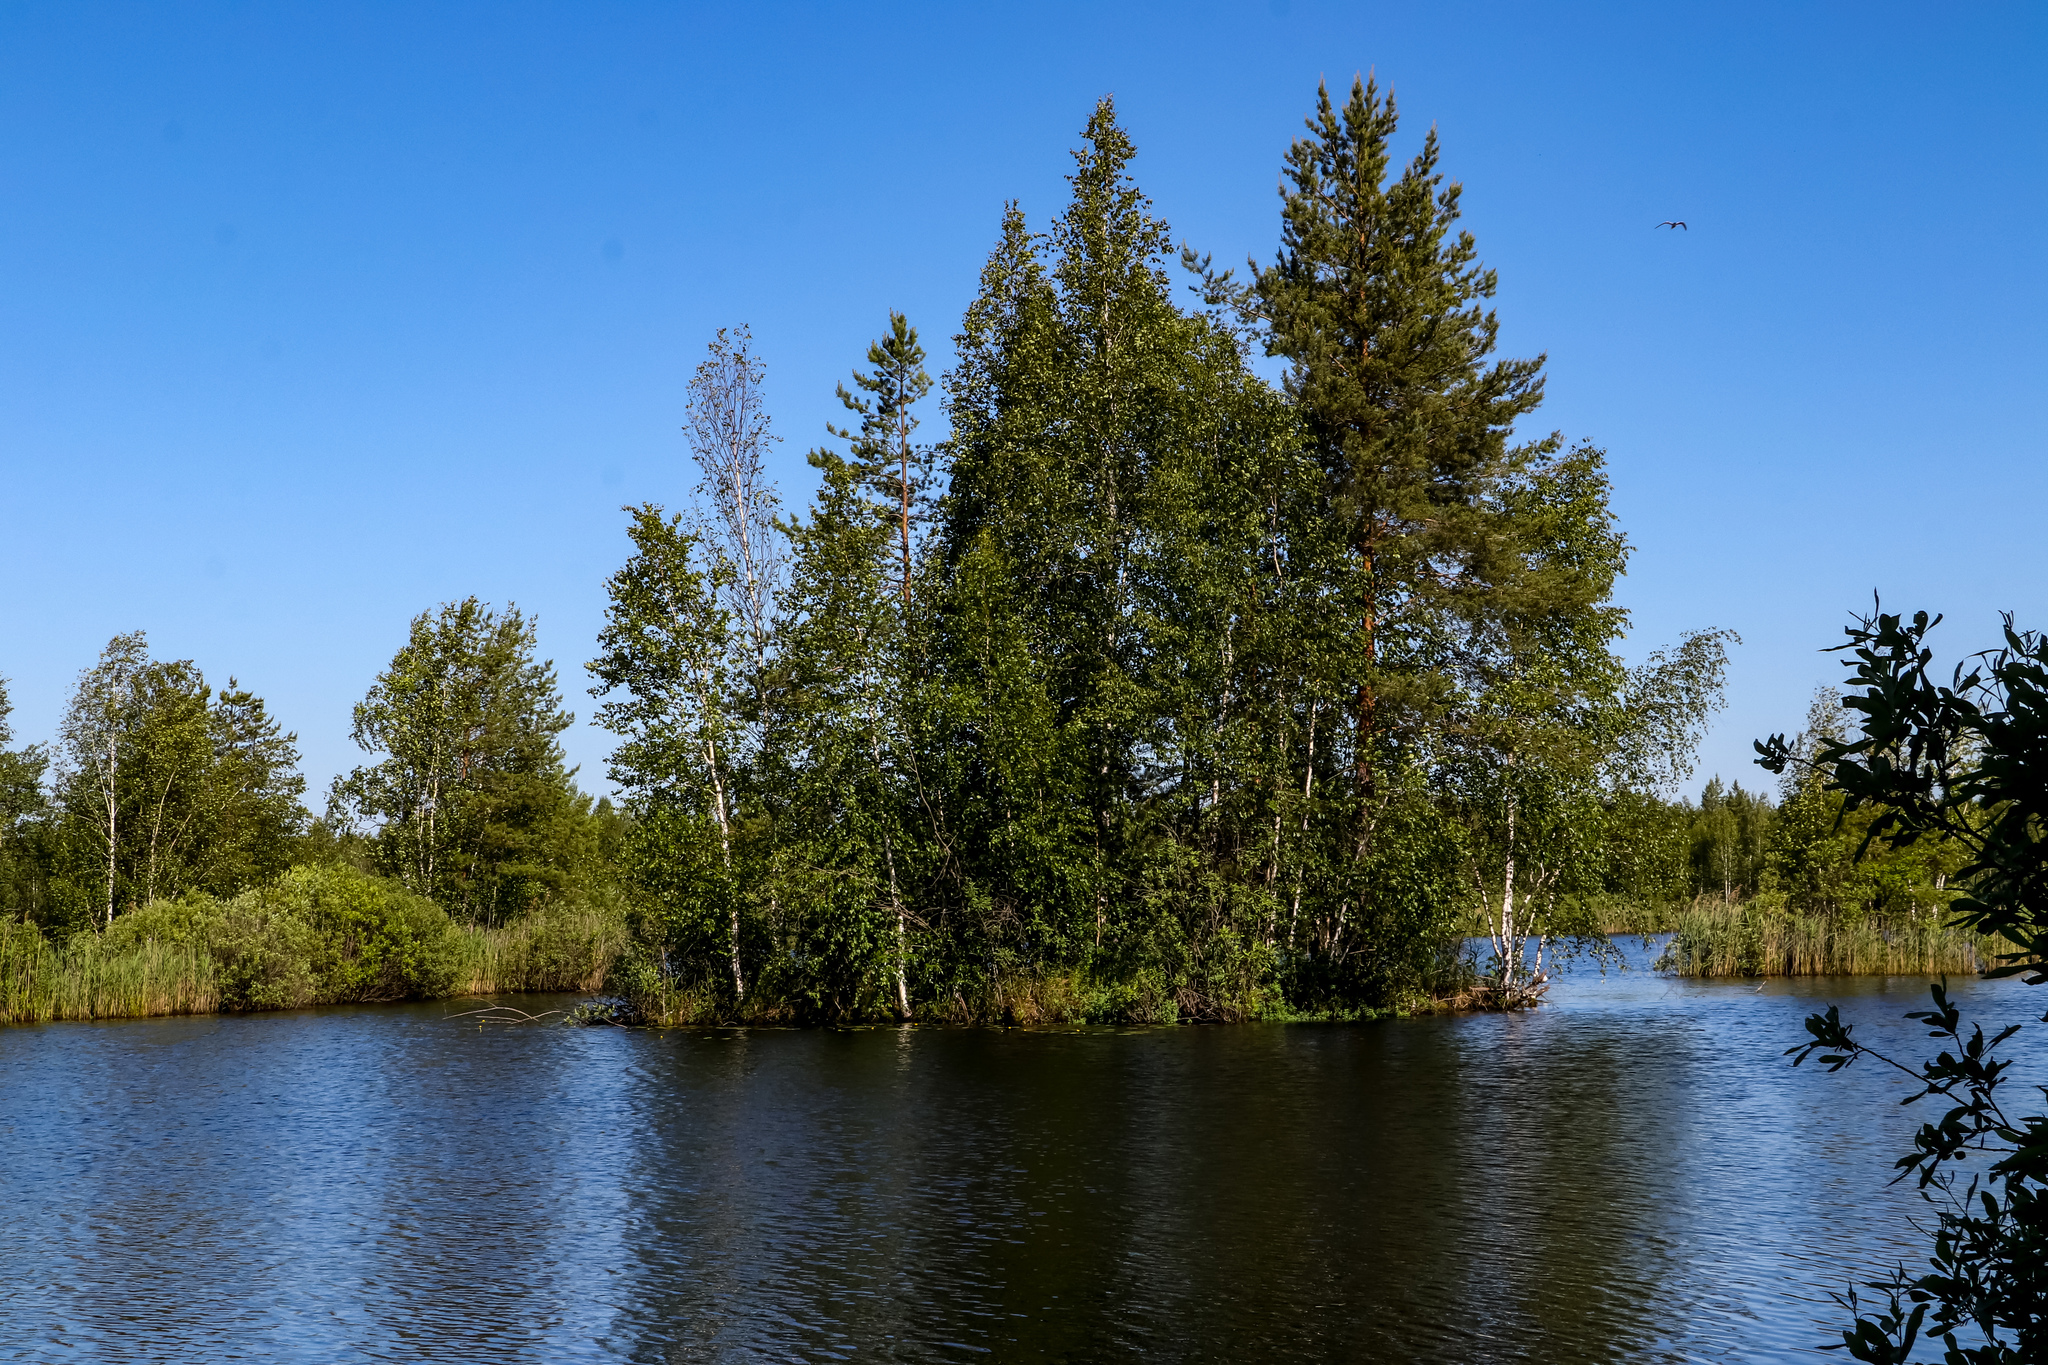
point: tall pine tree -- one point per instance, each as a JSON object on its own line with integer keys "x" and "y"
{"x": 1379, "y": 310}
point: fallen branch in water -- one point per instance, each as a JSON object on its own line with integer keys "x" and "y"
{"x": 501, "y": 1014}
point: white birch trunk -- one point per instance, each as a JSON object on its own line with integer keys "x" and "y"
{"x": 111, "y": 795}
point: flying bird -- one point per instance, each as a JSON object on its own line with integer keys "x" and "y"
{"x": 1674, "y": 223}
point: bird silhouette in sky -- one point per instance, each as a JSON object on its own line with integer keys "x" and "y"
{"x": 1674, "y": 223}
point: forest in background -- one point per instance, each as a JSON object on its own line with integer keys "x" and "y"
{"x": 1149, "y": 690}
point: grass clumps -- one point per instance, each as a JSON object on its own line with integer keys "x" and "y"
{"x": 561, "y": 946}
{"x": 40, "y": 980}
{"x": 1763, "y": 937}
{"x": 319, "y": 935}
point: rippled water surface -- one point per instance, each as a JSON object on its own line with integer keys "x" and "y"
{"x": 1633, "y": 1173}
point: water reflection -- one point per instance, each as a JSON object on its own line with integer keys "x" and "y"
{"x": 1634, "y": 1174}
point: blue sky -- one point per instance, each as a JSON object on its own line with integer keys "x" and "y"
{"x": 313, "y": 316}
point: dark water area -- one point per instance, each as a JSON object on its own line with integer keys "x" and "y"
{"x": 1634, "y": 1173}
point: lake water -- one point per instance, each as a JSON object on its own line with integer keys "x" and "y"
{"x": 1634, "y": 1173}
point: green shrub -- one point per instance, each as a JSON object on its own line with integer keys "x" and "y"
{"x": 263, "y": 957}
{"x": 191, "y": 921}
{"x": 366, "y": 939}
{"x": 318, "y": 935}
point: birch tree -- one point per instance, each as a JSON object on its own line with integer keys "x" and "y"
{"x": 165, "y": 787}
{"x": 170, "y": 773}
{"x": 669, "y": 662}
{"x": 730, "y": 436}
{"x": 1549, "y": 724}
{"x": 95, "y": 738}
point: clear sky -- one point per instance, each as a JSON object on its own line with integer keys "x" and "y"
{"x": 313, "y": 316}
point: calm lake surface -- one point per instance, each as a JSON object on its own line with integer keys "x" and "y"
{"x": 1633, "y": 1173}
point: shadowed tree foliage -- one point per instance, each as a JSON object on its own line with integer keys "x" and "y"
{"x": 26, "y": 846}
{"x": 1106, "y": 560}
{"x": 1962, "y": 762}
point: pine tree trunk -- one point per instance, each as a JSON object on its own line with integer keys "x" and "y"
{"x": 903, "y": 454}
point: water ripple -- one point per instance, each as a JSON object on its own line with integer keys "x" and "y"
{"x": 1632, "y": 1175}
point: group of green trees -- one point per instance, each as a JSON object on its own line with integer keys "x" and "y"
{"x": 159, "y": 787}
{"x": 471, "y": 804}
{"x": 157, "y": 784}
{"x": 1800, "y": 850}
{"x": 1151, "y": 690}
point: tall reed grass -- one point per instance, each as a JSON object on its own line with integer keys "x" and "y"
{"x": 559, "y": 948}
{"x": 1616, "y": 915}
{"x": 41, "y": 982}
{"x": 1714, "y": 940}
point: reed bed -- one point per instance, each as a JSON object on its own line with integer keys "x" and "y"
{"x": 1720, "y": 941}
{"x": 40, "y": 982}
{"x": 1640, "y": 918}
{"x": 561, "y": 948}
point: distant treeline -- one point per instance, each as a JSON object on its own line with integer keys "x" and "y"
{"x": 1789, "y": 852}
{"x": 1152, "y": 690}
{"x": 1789, "y": 885}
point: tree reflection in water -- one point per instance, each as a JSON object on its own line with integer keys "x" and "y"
{"x": 1631, "y": 1174}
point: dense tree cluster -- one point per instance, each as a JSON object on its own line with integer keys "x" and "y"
{"x": 1152, "y": 690}
{"x": 1155, "y": 690}
{"x": 157, "y": 785}
{"x": 161, "y": 788}
{"x": 472, "y": 805}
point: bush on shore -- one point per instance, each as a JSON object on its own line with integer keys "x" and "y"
{"x": 318, "y": 935}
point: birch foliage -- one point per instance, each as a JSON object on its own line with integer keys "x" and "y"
{"x": 469, "y": 804}
{"x": 164, "y": 786}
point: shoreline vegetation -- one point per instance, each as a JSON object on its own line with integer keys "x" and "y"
{"x": 320, "y": 936}
{"x": 1149, "y": 691}
{"x": 1713, "y": 938}
{"x": 1764, "y": 938}
{"x": 335, "y": 935}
